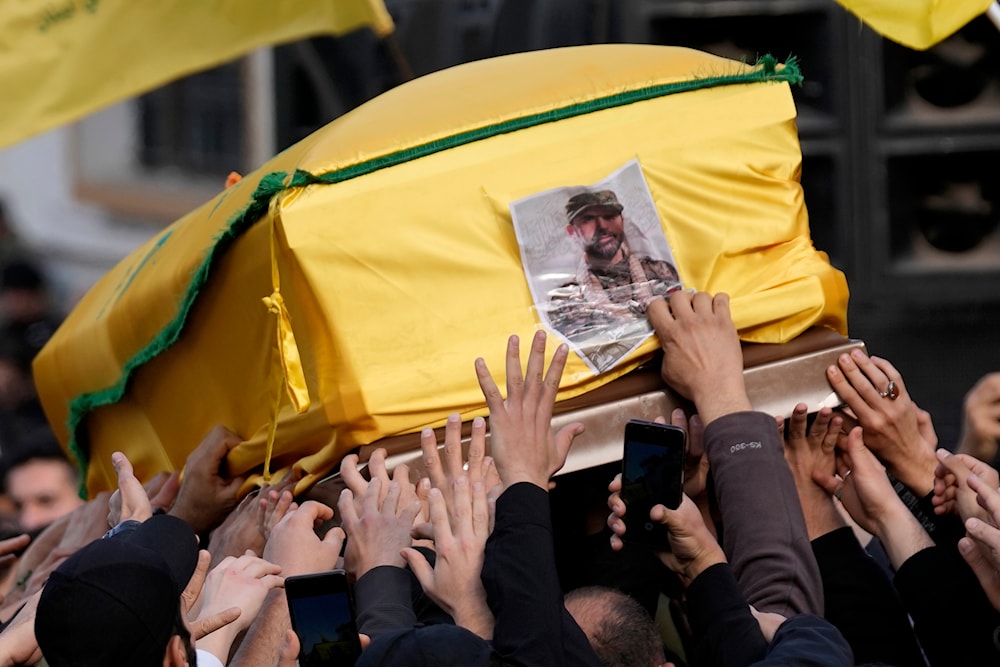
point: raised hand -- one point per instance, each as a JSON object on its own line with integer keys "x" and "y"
{"x": 693, "y": 548}
{"x": 875, "y": 392}
{"x": 702, "y": 358}
{"x": 379, "y": 529}
{"x": 460, "y": 533}
{"x": 810, "y": 456}
{"x": 981, "y": 426}
{"x": 868, "y": 496}
{"x": 295, "y": 546}
{"x": 524, "y": 449}
{"x": 981, "y": 545}
{"x": 952, "y": 494}
{"x": 129, "y": 502}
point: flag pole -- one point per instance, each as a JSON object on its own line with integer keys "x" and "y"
{"x": 994, "y": 13}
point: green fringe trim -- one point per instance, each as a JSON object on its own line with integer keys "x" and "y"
{"x": 766, "y": 70}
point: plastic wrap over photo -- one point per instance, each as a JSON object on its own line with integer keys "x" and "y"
{"x": 594, "y": 257}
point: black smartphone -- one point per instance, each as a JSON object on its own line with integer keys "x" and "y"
{"x": 322, "y": 609}
{"x": 652, "y": 474}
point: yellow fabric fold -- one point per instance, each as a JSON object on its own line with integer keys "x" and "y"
{"x": 63, "y": 60}
{"x": 918, "y": 24}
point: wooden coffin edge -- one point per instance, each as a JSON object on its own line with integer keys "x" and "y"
{"x": 777, "y": 377}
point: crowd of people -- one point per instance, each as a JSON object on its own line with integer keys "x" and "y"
{"x": 841, "y": 538}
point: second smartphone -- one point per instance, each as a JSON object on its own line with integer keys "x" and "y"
{"x": 652, "y": 474}
{"x": 322, "y": 609}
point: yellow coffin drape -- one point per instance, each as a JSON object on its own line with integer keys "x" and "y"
{"x": 398, "y": 262}
{"x": 918, "y": 24}
{"x": 62, "y": 59}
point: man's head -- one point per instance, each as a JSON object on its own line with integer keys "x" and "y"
{"x": 39, "y": 480}
{"x": 117, "y": 600}
{"x": 596, "y": 219}
{"x": 619, "y": 630}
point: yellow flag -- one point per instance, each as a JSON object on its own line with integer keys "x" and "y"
{"x": 918, "y": 24}
{"x": 63, "y": 59}
{"x": 391, "y": 230}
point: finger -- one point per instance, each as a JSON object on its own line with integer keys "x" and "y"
{"x": 257, "y": 567}
{"x": 720, "y": 306}
{"x": 335, "y": 539}
{"x": 985, "y": 535}
{"x": 491, "y": 476}
{"x": 616, "y": 505}
{"x": 371, "y": 501}
{"x": 352, "y": 476}
{"x": 660, "y": 318}
{"x": 217, "y": 444}
{"x": 797, "y": 422}
{"x": 858, "y": 454}
{"x": 461, "y": 505}
{"x": 534, "y": 376}
{"x": 391, "y": 503}
{"x": 197, "y": 581}
{"x": 515, "y": 380}
{"x": 422, "y": 531}
{"x": 439, "y": 515}
{"x": 231, "y": 488}
{"x": 981, "y": 468}
{"x": 377, "y": 470}
{"x": 14, "y": 544}
{"x": 821, "y": 425}
{"x": 167, "y": 493}
{"x": 678, "y": 418}
{"x": 889, "y": 371}
{"x": 423, "y": 486}
{"x": 311, "y": 512}
{"x": 127, "y": 482}
{"x": 209, "y": 624}
{"x": 420, "y": 567}
{"x": 846, "y": 390}
{"x": 348, "y": 510}
{"x": 616, "y": 525}
{"x": 453, "y": 446}
{"x": 494, "y": 399}
{"x": 875, "y": 376}
{"x": 616, "y": 484}
{"x": 477, "y": 450}
{"x": 563, "y": 441}
{"x": 827, "y": 482}
{"x": 491, "y": 501}
{"x": 289, "y": 654}
{"x": 833, "y": 432}
{"x": 401, "y": 476}
{"x": 953, "y": 465}
{"x": 865, "y": 387}
{"x": 432, "y": 457}
{"x": 279, "y": 508}
{"x": 551, "y": 387}
{"x": 480, "y": 510}
{"x": 987, "y": 497}
{"x": 702, "y": 302}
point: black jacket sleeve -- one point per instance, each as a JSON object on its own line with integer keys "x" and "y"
{"x": 952, "y": 617}
{"x": 724, "y": 632}
{"x": 383, "y": 597}
{"x": 807, "y": 641}
{"x": 522, "y": 586}
{"x": 862, "y": 603}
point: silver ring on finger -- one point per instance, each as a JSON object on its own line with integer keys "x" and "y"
{"x": 891, "y": 391}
